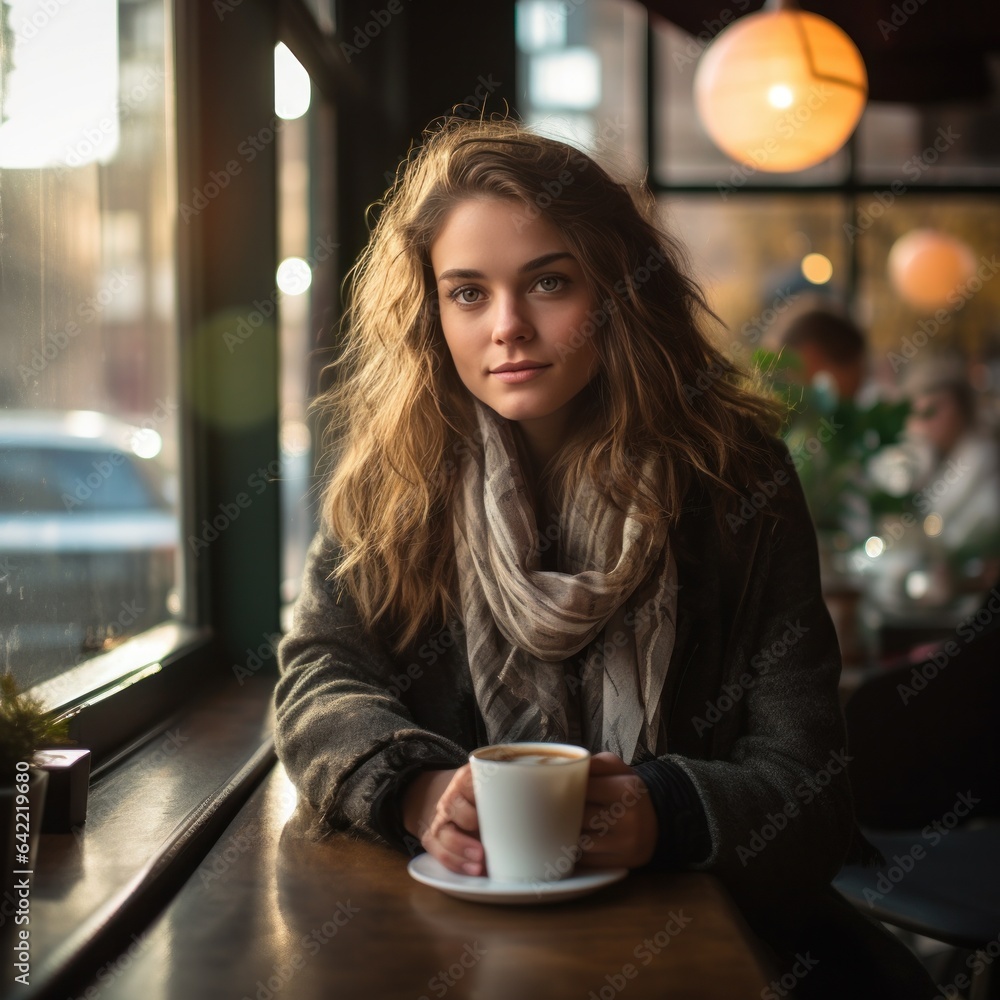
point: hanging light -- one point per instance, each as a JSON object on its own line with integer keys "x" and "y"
{"x": 930, "y": 269}
{"x": 780, "y": 90}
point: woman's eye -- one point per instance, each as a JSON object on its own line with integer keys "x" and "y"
{"x": 465, "y": 296}
{"x": 550, "y": 283}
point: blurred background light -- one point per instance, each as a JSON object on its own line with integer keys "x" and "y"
{"x": 874, "y": 546}
{"x": 817, "y": 268}
{"x": 60, "y": 84}
{"x": 928, "y": 268}
{"x": 292, "y": 86}
{"x": 294, "y": 276}
{"x": 540, "y": 24}
{"x": 566, "y": 79}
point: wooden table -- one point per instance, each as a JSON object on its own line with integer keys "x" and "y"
{"x": 272, "y": 915}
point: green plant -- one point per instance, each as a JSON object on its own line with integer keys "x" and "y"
{"x": 25, "y": 727}
{"x": 831, "y": 442}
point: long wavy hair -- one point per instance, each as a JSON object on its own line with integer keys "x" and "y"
{"x": 400, "y": 418}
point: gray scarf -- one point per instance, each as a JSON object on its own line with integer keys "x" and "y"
{"x": 616, "y": 583}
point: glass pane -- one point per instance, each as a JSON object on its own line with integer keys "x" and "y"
{"x": 968, "y": 319}
{"x": 88, "y": 427}
{"x": 307, "y": 285}
{"x": 749, "y": 254}
{"x": 684, "y": 154}
{"x": 580, "y": 76}
{"x": 942, "y": 144}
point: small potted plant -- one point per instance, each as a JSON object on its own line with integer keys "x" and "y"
{"x": 25, "y": 728}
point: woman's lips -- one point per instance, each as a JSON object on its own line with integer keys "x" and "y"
{"x": 520, "y": 375}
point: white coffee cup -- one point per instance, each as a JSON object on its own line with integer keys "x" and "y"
{"x": 530, "y": 799}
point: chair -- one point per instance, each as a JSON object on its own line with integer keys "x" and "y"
{"x": 925, "y": 745}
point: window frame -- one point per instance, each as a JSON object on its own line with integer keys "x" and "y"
{"x": 232, "y": 586}
{"x": 851, "y": 189}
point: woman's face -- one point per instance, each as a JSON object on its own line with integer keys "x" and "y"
{"x": 514, "y": 311}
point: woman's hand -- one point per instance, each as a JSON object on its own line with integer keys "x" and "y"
{"x": 439, "y": 807}
{"x": 620, "y": 829}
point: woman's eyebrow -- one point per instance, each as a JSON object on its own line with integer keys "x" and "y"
{"x": 545, "y": 260}
{"x": 465, "y": 273}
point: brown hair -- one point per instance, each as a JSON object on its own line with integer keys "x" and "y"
{"x": 400, "y": 416}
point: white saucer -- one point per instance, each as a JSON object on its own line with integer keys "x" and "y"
{"x": 479, "y": 889}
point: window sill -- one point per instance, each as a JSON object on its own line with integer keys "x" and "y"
{"x": 151, "y": 819}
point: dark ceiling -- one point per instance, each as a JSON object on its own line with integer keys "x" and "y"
{"x": 937, "y": 52}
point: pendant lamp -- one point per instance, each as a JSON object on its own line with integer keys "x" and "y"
{"x": 780, "y": 90}
{"x": 930, "y": 269}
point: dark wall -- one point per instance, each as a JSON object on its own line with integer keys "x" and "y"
{"x": 413, "y": 61}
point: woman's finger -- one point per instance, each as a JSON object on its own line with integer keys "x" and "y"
{"x": 456, "y": 851}
{"x": 460, "y": 811}
{"x": 605, "y": 762}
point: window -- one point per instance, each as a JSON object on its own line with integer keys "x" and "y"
{"x": 90, "y": 471}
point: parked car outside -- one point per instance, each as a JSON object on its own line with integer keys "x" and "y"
{"x": 88, "y": 538}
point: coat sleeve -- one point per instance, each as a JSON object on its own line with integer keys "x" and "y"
{"x": 777, "y": 796}
{"x": 342, "y": 731}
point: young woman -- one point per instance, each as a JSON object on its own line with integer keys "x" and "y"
{"x": 558, "y": 514}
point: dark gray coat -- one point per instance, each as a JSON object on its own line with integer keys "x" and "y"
{"x": 752, "y": 709}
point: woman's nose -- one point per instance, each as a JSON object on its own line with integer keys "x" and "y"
{"x": 511, "y": 322}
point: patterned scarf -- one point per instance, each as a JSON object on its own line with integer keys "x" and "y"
{"x": 616, "y": 582}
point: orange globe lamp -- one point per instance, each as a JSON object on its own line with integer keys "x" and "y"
{"x": 929, "y": 269}
{"x": 780, "y": 90}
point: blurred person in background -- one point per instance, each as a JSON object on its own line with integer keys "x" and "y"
{"x": 831, "y": 350}
{"x": 837, "y": 420}
{"x": 947, "y": 472}
{"x": 956, "y": 472}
